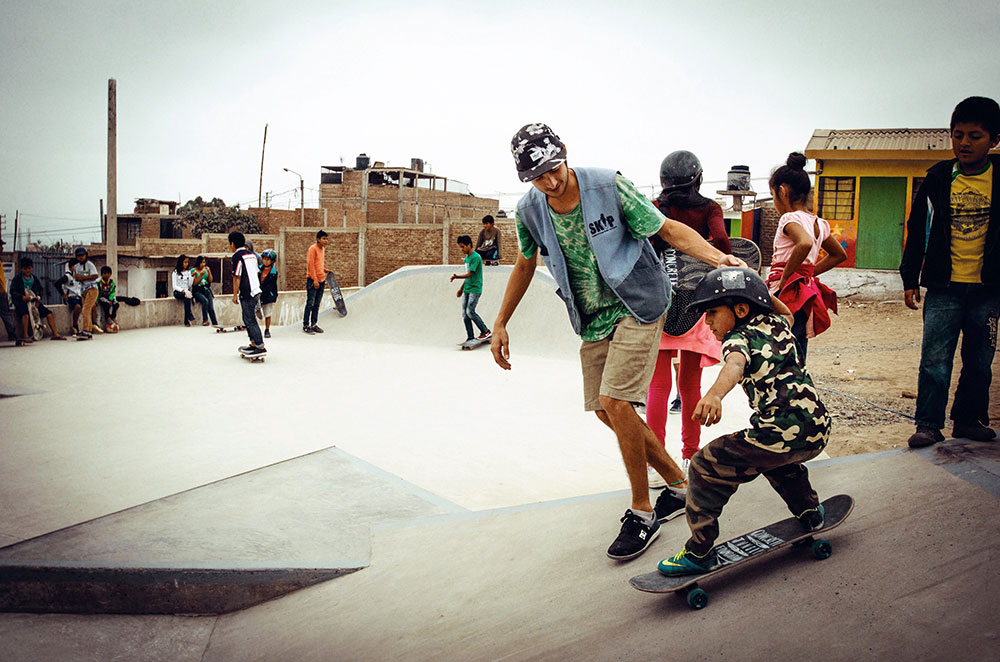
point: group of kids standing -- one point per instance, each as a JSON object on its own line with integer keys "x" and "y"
{"x": 596, "y": 235}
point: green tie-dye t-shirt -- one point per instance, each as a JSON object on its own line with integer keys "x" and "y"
{"x": 599, "y": 307}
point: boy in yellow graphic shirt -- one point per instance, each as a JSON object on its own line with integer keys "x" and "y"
{"x": 953, "y": 249}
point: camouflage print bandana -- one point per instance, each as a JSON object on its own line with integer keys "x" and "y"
{"x": 536, "y": 149}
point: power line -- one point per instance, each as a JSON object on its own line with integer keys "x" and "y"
{"x": 56, "y": 218}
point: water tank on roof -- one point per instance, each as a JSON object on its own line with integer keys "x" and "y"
{"x": 417, "y": 164}
{"x": 738, "y": 179}
{"x": 363, "y": 162}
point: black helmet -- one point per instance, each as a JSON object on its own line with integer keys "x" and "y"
{"x": 679, "y": 169}
{"x": 731, "y": 283}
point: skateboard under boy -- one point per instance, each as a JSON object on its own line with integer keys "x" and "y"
{"x": 686, "y": 272}
{"x": 739, "y": 550}
{"x": 338, "y": 297}
{"x": 475, "y": 342}
{"x": 252, "y": 358}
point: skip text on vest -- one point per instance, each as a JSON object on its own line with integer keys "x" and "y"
{"x": 601, "y": 225}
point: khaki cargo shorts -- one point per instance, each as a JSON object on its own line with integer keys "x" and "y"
{"x": 620, "y": 366}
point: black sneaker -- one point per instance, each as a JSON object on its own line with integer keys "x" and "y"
{"x": 924, "y": 436}
{"x": 267, "y": 333}
{"x": 308, "y": 329}
{"x": 675, "y": 406}
{"x": 634, "y": 537}
{"x": 669, "y": 505}
{"x": 316, "y": 329}
{"x": 974, "y": 431}
{"x": 256, "y": 351}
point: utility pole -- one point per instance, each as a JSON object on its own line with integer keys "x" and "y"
{"x": 111, "y": 220}
{"x": 16, "y": 213}
{"x": 260, "y": 188}
{"x": 302, "y": 202}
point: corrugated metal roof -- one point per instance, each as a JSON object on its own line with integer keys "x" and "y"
{"x": 880, "y": 140}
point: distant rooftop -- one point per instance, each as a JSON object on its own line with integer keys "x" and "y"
{"x": 919, "y": 143}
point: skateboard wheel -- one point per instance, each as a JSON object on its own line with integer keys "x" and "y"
{"x": 822, "y": 549}
{"x": 697, "y": 598}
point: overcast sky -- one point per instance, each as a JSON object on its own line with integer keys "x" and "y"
{"x": 624, "y": 83}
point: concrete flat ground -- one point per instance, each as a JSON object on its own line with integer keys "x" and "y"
{"x": 477, "y": 502}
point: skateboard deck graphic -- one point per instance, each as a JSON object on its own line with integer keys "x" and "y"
{"x": 338, "y": 297}
{"x": 755, "y": 544}
{"x": 685, "y": 272}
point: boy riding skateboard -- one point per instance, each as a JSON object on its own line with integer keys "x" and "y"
{"x": 591, "y": 227}
{"x": 789, "y": 424}
{"x": 471, "y": 290}
{"x": 246, "y": 292}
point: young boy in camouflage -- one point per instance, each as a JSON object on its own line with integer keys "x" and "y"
{"x": 789, "y": 424}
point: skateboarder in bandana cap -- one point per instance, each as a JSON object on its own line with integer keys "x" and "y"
{"x": 591, "y": 227}
{"x": 789, "y": 424}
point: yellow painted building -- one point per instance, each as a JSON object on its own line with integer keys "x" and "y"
{"x": 865, "y": 183}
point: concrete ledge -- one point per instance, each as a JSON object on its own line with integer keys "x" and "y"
{"x": 865, "y": 284}
{"x": 170, "y": 312}
{"x": 41, "y": 587}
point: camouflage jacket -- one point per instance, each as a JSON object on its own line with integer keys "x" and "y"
{"x": 788, "y": 414}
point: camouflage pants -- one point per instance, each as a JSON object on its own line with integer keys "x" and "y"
{"x": 723, "y": 465}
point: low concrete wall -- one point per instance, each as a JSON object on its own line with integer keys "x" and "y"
{"x": 864, "y": 284}
{"x": 170, "y": 312}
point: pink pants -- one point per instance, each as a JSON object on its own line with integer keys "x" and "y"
{"x": 689, "y": 386}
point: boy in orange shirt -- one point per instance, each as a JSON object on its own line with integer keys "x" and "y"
{"x": 315, "y": 280}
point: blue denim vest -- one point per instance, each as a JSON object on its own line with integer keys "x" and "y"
{"x": 628, "y": 265}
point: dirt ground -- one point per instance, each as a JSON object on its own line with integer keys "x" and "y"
{"x": 866, "y": 367}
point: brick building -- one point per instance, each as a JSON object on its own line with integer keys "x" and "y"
{"x": 380, "y": 219}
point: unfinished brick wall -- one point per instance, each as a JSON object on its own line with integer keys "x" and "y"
{"x": 395, "y": 246}
{"x": 508, "y": 239}
{"x": 168, "y": 247}
{"x": 341, "y": 256}
{"x": 769, "y": 218}
{"x": 272, "y": 220}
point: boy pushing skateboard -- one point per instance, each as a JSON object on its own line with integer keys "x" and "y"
{"x": 789, "y": 424}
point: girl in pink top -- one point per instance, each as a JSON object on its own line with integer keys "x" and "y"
{"x": 796, "y": 261}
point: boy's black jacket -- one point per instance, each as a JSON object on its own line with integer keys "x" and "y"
{"x": 927, "y": 259}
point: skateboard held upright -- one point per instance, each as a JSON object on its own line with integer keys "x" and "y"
{"x": 338, "y": 297}
{"x": 36, "y": 327}
{"x": 686, "y": 272}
